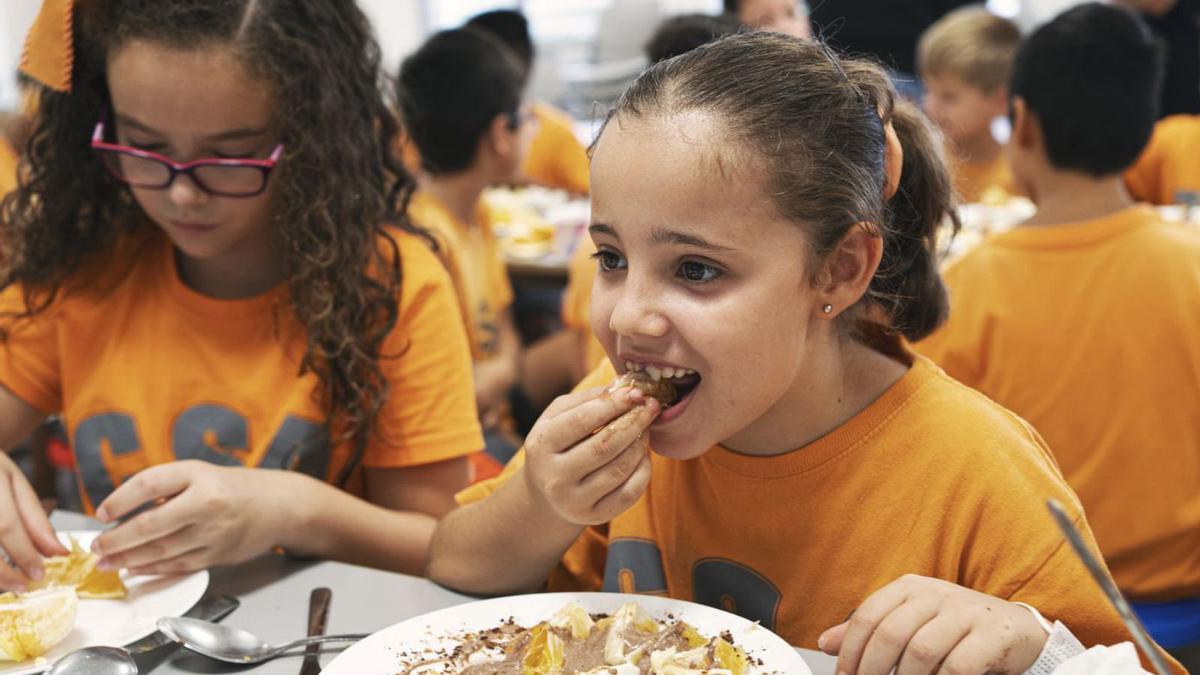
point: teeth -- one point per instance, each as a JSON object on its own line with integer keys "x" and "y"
{"x": 629, "y": 365}
{"x": 655, "y": 373}
{"x": 668, "y": 373}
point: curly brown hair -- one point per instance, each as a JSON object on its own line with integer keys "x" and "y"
{"x": 338, "y": 186}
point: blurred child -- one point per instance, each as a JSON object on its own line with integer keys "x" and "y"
{"x": 470, "y": 135}
{"x": 789, "y": 17}
{"x": 965, "y": 60}
{"x": 765, "y": 215}
{"x": 206, "y": 288}
{"x": 556, "y": 158}
{"x": 1168, "y": 170}
{"x": 681, "y": 34}
{"x": 1084, "y": 319}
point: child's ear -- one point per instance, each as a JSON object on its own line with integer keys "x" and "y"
{"x": 848, "y": 269}
{"x": 501, "y": 138}
{"x": 1025, "y": 130}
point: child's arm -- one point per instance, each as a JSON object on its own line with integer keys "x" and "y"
{"x": 572, "y": 478}
{"x": 25, "y": 532}
{"x": 222, "y": 515}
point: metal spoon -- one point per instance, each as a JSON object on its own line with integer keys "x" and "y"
{"x": 234, "y": 645}
{"x": 95, "y": 661}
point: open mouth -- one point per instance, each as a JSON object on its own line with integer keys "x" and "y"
{"x": 670, "y": 386}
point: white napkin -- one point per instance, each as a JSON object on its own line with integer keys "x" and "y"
{"x": 1119, "y": 659}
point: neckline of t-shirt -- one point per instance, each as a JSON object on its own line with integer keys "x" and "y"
{"x": 202, "y": 304}
{"x": 845, "y": 438}
{"x": 1080, "y": 233}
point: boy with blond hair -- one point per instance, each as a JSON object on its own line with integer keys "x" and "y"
{"x": 965, "y": 60}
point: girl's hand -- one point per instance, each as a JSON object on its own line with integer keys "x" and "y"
{"x": 208, "y": 515}
{"x": 25, "y": 532}
{"x": 919, "y": 625}
{"x": 588, "y": 456}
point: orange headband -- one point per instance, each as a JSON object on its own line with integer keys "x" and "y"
{"x": 893, "y": 160}
{"x": 49, "y": 50}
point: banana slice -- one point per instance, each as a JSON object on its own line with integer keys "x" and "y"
{"x": 33, "y": 623}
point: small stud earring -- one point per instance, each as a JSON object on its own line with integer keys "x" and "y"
{"x": 827, "y": 308}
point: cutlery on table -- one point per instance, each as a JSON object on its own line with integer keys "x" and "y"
{"x": 318, "y": 612}
{"x": 1140, "y": 636}
{"x": 234, "y": 645}
{"x": 119, "y": 660}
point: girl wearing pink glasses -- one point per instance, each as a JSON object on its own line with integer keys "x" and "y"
{"x": 206, "y": 278}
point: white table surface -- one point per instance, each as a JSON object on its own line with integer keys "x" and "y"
{"x": 273, "y": 592}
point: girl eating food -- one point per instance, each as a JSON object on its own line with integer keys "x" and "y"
{"x": 765, "y": 216}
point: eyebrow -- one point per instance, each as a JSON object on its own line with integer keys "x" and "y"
{"x": 229, "y": 135}
{"x": 661, "y": 236}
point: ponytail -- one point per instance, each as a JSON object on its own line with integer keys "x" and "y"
{"x": 907, "y": 283}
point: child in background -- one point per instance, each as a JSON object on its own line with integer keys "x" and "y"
{"x": 765, "y": 215}
{"x": 1168, "y": 170}
{"x": 470, "y": 136}
{"x": 556, "y": 158}
{"x": 789, "y": 17}
{"x": 681, "y": 34}
{"x": 965, "y": 60}
{"x": 205, "y": 285}
{"x": 1083, "y": 320}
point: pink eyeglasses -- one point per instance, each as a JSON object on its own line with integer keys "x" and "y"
{"x": 217, "y": 176}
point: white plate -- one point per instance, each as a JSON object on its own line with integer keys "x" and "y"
{"x": 379, "y": 654}
{"x": 120, "y": 622}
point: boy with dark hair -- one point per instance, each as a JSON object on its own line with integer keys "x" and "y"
{"x": 681, "y": 34}
{"x": 556, "y": 157}
{"x": 1085, "y": 320}
{"x": 460, "y": 102}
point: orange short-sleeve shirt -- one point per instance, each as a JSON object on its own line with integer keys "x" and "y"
{"x": 145, "y": 371}
{"x": 1091, "y": 331}
{"x": 475, "y": 260}
{"x": 556, "y": 158}
{"x": 577, "y": 301}
{"x": 980, "y": 181}
{"x": 931, "y": 479}
{"x": 1168, "y": 170}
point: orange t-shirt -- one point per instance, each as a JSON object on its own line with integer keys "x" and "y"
{"x": 476, "y": 263}
{"x": 1168, "y": 170}
{"x": 577, "y": 301}
{"x": 932, "y": 479}
{"x": 146, "y": 371}
{"x": 1091, "y": 331}
{"x": 556, "y": 158}
{"x": 981, "y": 181}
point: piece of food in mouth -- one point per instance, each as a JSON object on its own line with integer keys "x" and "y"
{"x": 660, "y": 389}
{"x": 31, "y": 624}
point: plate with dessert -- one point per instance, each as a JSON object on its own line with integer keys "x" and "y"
{"x": 572, "y": 634}
{"x": 76, "y": 605}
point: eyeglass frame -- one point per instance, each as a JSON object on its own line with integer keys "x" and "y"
{"x": 186, "y": 168}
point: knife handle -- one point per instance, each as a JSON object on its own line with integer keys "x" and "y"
{"x": 318, "y": 612}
